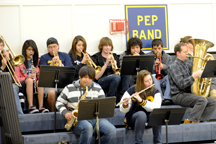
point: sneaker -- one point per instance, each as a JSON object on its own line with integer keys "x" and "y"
{"x": 43, "y": 110}
{"x": 33, "y": 109}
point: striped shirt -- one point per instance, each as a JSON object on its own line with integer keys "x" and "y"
{"x": 180, "y": 77}
{"x": 72, "y": 93}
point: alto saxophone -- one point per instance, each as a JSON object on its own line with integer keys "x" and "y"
{"x": 74, "y": 120}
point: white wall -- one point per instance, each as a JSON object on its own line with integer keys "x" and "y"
{"x": 64, "y": 19}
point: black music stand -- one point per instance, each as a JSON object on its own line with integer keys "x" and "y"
{"x": 165, "y": 116}
{"x": 131, "y": 65}
{"x": 95, "y": 109}
{"x": 55, "y": 77}
{"x": 210, "y": 69}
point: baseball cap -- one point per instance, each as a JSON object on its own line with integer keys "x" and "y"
{"x": 52, "y": 40}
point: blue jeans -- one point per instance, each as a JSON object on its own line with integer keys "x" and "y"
{"x": 86, "y": 128}
{"x": 138, "y": 121}
{"x": 110, "y": 84}
{"x": 16, "y": 94}
{"x": 163, "y": 85}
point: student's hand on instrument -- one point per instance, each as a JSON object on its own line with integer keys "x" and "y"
{"x": 125, "y": 103}
{"x": 32, "y": 76}
{"x": 157, "y": 62}
{"x": 85, "y": 58}
{"x": 6, "y": 54}
{"x": 137, "y": 97}
{"x": 136, "y": 54}
{"x": 68, "y": 116}
{"x": 34, "y": 70}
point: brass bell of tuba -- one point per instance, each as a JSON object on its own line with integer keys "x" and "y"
{"x": 201, "y": 86}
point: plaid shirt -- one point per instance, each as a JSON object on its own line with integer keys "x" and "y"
{"x": 180, "y": 77}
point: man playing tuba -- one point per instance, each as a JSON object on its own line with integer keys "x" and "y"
{"x": 72, "y": 94}
{"x": 181, "y": 79}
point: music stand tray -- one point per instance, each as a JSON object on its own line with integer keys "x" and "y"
{"x": 49, "y": 75}
{"x": 210, "y": 69}
{"x": 131, "y": 65}
{"x": 95, "y": 109}
{"x": 165, "y": 116}
{"x": 87, "y": 108}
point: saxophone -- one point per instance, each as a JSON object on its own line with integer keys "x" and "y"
{"x": 73, "y": 120}
{"x": 201, "y": 86}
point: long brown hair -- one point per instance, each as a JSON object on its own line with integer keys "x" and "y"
{"x": 72, "y": 51}
{"x": 140, "y": 84}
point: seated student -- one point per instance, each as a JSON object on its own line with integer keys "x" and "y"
{"x": 107, "y": 79}
{"x": 78, "y": 54}
{"x": 53, "y": 58}
{"x": 70, "y": 96}
{"x": 160, "y": 78}
{"x": 181, "y": 79}
{"x": 139, "y": 108}
{"x": 28, "y": 74}
{"x": 134, "y": 46}
{"x": 4, "y": 68}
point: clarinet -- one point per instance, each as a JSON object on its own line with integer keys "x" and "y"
{"x": 32, "y": 65}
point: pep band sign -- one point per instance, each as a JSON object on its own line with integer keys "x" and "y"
{"x": 147, "y": 23}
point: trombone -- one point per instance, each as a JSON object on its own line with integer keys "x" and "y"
{"x": 16, "y": 61}
{"x": 92, "y": 64}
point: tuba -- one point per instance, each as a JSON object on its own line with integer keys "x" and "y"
{"x": 73, "y": 120}
{"x": 201, "y": 86}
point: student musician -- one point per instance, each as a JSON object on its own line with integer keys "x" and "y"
{"x": 134, "y": 46}
{"x": 3, "y": 67}
{"x": 160, "y": 70}
{"x": 70, "y": 96}
{"x": 53, "y": 58}
{"x": 181, "y": 79}
{"x": 107, "y": 79}
{"x": 78, "y": 54}
{"x": 138, "y": 109}
{"x": 28, "y": 74}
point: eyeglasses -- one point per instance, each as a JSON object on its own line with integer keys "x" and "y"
{"x": 30, "y": 50}
{"x": 51, "y": 47}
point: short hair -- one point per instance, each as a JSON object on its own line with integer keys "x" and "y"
{"x": 132, "y": 42}
{"x": 104, "y": 42}
{"x": 185, "y": 39}
{"x": 72, "y": 51}
{"x": 178, "y": 46}
{"x": 87, "y": 70}
{"x": 1, "y": 41}
{"x": 157, "y": 42}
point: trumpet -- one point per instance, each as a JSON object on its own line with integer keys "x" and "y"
{"x": 158, "y": 69}
{"x": 92, "y": 64}
{"x": 56, "y": 55}
{"x": 116, "y": 70}
{"x": 132, "y": 96}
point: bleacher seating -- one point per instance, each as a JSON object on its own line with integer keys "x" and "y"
{"x": 38, "y": 128}
{"x": 33, "y": 123}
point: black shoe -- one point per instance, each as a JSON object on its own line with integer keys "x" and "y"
{"x": 167, "y": 102}
{"x": 32, "y": 110}
{"x": 43, "y": 110}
